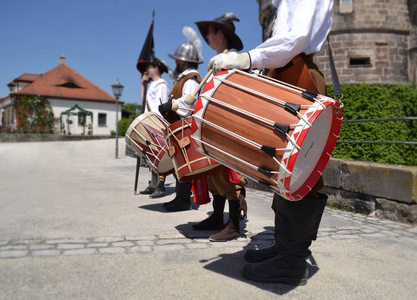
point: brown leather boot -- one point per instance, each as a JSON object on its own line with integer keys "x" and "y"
{"x": 232, "y": 230}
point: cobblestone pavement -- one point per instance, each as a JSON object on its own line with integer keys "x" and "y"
{"x": 362, "y": 227}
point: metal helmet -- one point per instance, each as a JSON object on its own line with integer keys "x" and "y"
{"x": 186, "y": 52}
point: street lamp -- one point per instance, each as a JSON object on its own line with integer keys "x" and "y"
{"x": 117, "y": 92}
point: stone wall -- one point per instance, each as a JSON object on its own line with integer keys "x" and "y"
{"x": 373, "y": 41}
{"x": 388, "y": 190}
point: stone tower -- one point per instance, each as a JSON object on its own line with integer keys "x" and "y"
{"x": 373, "y": 41}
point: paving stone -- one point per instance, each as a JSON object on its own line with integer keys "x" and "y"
{"x": 123, "y": 244}
{"x": 80, "y": 251}
{"x": 168, "y": 247}
{"x": 389, "y": 233}
{"x": 138, "y": 249}
{"x": 171, "y": 236}
{"x": 108, "y": 239}
{"x": 324, "y": 238}
{"x": 16, "y": 247}
{"x": 69, "y": 246}
{"x": 97, "y": 245}
{"x": 66, "y": 241}
{"x": 41, "y": 247}
{"x": 227, "y": 244}
{"x": 404, "y": 233}
{"x": 201, "y": 240}
{"x": 372, "y": 235}
{"x": 26, "y": 242}
{"x": 348, "y": 228}
{"x": 145, "y": 243}
{"x": 112, "y": 250}
{"x": 176, "y": 241}
{"x": 346, "y": 232}
{"x": 344, "y": 237}
{"x": 13, "y": 253}
{"x": 140, "y": 237}
{"x": 50, "y": 252}
{"x": 326, "y": 229}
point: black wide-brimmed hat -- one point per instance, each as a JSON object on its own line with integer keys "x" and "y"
{"x": 225, "y": 24}
{"x": 154, "y": 61}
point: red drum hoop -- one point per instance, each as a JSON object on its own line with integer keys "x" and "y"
{"x": 270, "y": 131}
{"x": 189, "y": 164}
{"x": 145, "y": 136}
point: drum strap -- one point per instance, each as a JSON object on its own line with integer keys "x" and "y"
{"x": 336, "y": 85}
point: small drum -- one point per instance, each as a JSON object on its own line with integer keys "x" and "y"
{"x": 145, "y": 136}
{"x": 189, "y": 164}
{"x": 270, "y": 131}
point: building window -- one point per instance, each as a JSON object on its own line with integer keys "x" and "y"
{"x": 360, "y": 62}
{"x": 102, "y": 120}
{"x": 82, "y": 118}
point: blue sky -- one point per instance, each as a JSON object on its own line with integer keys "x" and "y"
{"x": 102, "y": 39}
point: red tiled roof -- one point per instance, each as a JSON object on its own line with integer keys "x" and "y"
{"x": 25, "y": 77}
{"x": 64, "y": 82}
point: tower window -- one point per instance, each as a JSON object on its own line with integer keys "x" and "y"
{"x": 360, "y": 62}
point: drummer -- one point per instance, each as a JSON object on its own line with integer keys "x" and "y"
{"x": 187, "y": 58}
{"x": 300, "y": 30}
{"x": 220, "y": 35}
{"x": 156, "y": 94}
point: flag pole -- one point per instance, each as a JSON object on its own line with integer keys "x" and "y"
{"x": 150, "y": 36}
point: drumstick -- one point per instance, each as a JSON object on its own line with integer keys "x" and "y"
{"x": 190, "y": 99}
{"x": 175, "y": 107}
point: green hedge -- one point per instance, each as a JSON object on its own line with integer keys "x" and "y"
{"x": 124, "y": 125}
{"x": 377, "y": 102}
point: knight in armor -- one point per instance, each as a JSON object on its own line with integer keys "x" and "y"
{"x": 187, "y": 58}
{"x": 300, "y": 30}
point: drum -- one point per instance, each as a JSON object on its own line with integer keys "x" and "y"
{"x": 145, "y": 136}
{"x": 189, "y": 164}
{"x": 272, "y": 132}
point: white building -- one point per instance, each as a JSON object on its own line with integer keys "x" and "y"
{"x": 64, "y": 88}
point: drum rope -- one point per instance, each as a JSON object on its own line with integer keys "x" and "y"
{"x": 150, "y": 143}
{"x": 289, "y": 87}
{"x": 243, "y": 139}
{"x": 246, "y": 113}
{"x": 242, "y": 161}
{"x": 272, "y": 99}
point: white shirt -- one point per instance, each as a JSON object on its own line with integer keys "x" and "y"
{"x": 189, "y": 88}
{"x": 156, "y": 95}
{"x": 300, "y": 26}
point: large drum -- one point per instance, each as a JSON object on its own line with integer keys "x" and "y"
{"x": 189, "y": 164}
{"x": 145, "y": 135}
{"x": 270, "y": 131}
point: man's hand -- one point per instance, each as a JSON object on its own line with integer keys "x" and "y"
{"x": 229, "y": 61}
{"x": 145, "y": 78}
{"x": 165, "y": 108}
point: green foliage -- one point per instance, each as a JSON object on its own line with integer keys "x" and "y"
{"x": 377, "y": 102}
{"x": 33, "y": 114}
{"x": 124, "y": 125}
{"x": 134, "y": 109}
